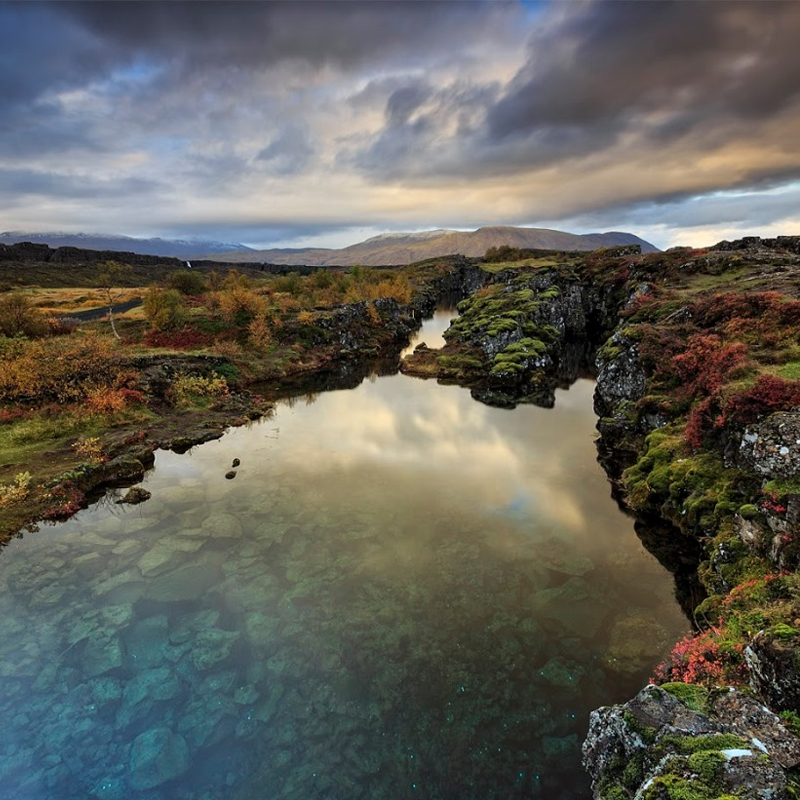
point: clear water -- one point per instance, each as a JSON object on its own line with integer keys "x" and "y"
{"x": 403, "y": 593}
{"x": 432, "y": 330}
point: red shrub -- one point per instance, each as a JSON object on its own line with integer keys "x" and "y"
{"x": 184, "y": 339}
{"x": 768, "y": 394}
{"x": 701, "y": 421}
{"x": 724, "y": 307}
{"x": 694, "y": 659}
{"x": 707, "y": 363}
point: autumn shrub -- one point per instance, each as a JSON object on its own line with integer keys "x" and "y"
{"x": 90, "y": 449}
{"x": 165, "y": 309}
{"x": 769, "y": 394}
{"x": 185, "y": 338}
{"x": 188, "y": 390}
{"x": 61, "y": 369}
{"x": 259, "y": 333}
{"x": 707, "y": 363}
{"x": 18, "y": 317}
{"x": 15, "y": 492}
{"x": 187, "y": 282}
{"x": 111, "y": 400}
{"x": 239, "y": 305}
{"x": 305, "y": 317}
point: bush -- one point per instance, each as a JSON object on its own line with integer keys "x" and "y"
{"x": 187, "y": 390}
{"x": 240, "y": 305}
{"x": 187, "y": 282}
{"x": 164, "y": 308}
{"x": 19, "y": 318}
{"x": 64, "y": 369}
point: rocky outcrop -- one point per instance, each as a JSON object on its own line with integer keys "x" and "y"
{"x": 774, "y": 672}
{"x": 681, "y": 741}
{"x": 772, "y": 447}
{"x": 620, "y": 378}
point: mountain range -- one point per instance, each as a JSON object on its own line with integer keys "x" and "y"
{"x": 406, "y": 248}
{"x": 177, "y": 248}
{"x": 388, "y": 248}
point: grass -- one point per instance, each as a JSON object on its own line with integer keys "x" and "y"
{"x": 56, "y": 301}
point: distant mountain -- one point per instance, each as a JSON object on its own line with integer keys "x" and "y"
{"x": 178, "y": 248}
{"x": 405, "y": 248}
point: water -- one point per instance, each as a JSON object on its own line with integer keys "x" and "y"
{"x": 403, "y": 593}
{"x": 432, "y": 330}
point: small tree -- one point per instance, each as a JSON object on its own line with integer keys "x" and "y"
{"x": 19, "y": 317}
{"x": 164, "y": 308}
{"x": 187, "y": 282}
{"x": 109, "y": 277}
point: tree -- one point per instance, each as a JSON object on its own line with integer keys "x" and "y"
{"x": 164, "y": 308}
{"x": 110, "y": 274}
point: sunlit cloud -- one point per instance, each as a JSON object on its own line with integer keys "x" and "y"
{"x": 284, "y": 123}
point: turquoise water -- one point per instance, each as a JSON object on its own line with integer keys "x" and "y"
{"x": 403, "y": 593}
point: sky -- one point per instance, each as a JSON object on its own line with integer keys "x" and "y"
{"x": 322, "y": 123}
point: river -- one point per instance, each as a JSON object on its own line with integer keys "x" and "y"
{"x": 402, "y": 593}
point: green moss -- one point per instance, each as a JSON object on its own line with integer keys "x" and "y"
{"x": 687, "y": 745}
{"x": 690, "y": 694}
{"x": 633, "y": 774}
{"x": 707, "y": 765}
{"x": 791, "y": 719}
{"x": 783, "y": 631}
{"x": 647, "y": 734}
{"x": 748, "y": 511}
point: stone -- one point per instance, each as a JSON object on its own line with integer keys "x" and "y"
{"x": 571, "y": 608}
{"x": 157, "y": 756}
{"x": 102, "y": 653}
{"x": 774, "y": 671}
{"x": 659, "y": 732}
{"x": 223, "y": 526}
{"x": 560, "y": 557}
{"x": 189, "y": 582}
{"x": 211, "y": 647}
{"x": 772, "y": 447}
{"x": 561, "y": 673}
{"x": 134, "y": 496}
{"x": 160, "y": 559}
{"x": 147, "y": 642}
{"x": 636, "y": 642}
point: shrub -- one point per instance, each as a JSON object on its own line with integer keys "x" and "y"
{"x": 164, "y": 308}
{"x": 19, "y": 318}
{"x": 184, "y": 339}
{"x": 188, "y": 389}
{"x": 259, "y": 333}
{"x": 90, "y": 450}
{"x": 240, "y": 305}
{"x": 187, "y": 282}
{"x": 707, "y": 363}
{"x": 768, "y": 394}
{"x": 63, "y": 369}
{"x": 16, "y": 492}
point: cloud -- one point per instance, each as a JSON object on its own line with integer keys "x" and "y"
{"x": 265, "y": 117}
{"x": 289, "y": 152}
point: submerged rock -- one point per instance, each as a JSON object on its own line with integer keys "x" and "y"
{"x": 636, "y": 642}
{"x": 157, "y": 756}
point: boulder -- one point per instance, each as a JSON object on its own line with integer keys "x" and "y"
{"x": 157, "y": 756}
{"x": 683, "y": 740}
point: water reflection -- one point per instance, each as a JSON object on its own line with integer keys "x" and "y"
{"x": 403, "y": 593}
{"x": 432, "y": 330}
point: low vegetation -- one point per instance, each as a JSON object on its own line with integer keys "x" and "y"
{"x": 73, "y": 388}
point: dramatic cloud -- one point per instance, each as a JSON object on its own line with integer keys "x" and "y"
{"x": 264, "y": 121}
